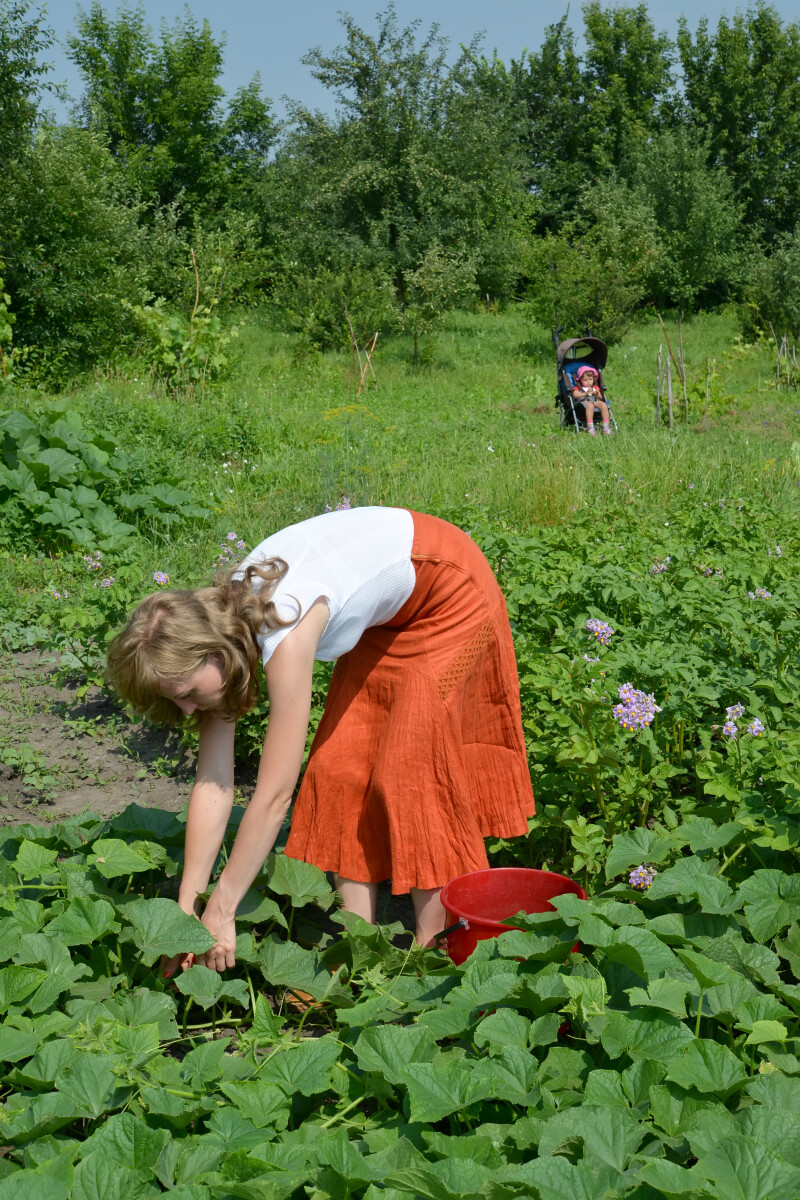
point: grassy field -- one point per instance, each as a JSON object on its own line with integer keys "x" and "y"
{"x": 475, "y": 428}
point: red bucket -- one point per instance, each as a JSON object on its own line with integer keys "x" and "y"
{"x": 478, "y": 902}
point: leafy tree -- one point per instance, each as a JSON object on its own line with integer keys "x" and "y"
{"x": 159, "y": 104}
{"x": 579, "y": 119}
{"x": 742, "y": 85}
{"x": 23, "y": 39}
{"x": 73, "y": 245}
{"x": 627, "y": 79}
{"x": 774, "y": 290}
{"x": 543, "y": 93}
{"x": 699, "y": 220}
{"x": 414, "y": 159}
{"x": 595, "y": 274}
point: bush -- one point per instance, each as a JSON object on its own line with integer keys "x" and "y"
{"x": 70, "y": 234}
{"x": 596, "y": 275}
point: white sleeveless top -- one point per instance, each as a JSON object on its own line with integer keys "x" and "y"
{"x": 358, "y": 559}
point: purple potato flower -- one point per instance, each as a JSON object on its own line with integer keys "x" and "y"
{"x": 160, "y": 578}
{"x": 602, "y": 631}
{"x": 638, "y": 708}
{"x": 640, "y": 878}
{"x": 730, "y": 729}
{"x": 755, "y": 728}
{"x": 734, "y": 712}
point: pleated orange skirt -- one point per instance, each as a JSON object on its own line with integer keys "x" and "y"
{"x": 420, "y": 755}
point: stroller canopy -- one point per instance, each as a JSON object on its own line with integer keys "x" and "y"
{"x": 589, "y": 350}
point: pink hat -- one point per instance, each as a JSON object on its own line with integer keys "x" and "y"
{"x": 582, "y": 371}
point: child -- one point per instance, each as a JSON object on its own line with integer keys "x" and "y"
{"x": 419, "y": 754}
{"x": 587, "y": 392}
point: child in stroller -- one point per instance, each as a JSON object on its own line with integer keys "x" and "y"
{"x": 580, "y": 394}
{"x": 588, "y": 393}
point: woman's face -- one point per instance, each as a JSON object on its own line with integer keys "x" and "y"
{"x": 202, "y": 691}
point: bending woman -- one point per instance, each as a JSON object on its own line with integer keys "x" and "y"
{"x": 419, "y": 754}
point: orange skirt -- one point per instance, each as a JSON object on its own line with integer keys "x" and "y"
{"x": 419, "y": 754}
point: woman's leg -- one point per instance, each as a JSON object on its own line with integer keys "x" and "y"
{"x": 358, "y": 898}
{"x": 430, "y": 913}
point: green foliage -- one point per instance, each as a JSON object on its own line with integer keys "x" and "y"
{"x": 416, "y": 174}
{"x": 184, "y": 351}
{"x": 658, "y": 1058}
{"x": 159, "y": 106}
{"x": 703, "y": 259}
{"x": 73, "y": 246}
{"x": 596, "y": 272}
{"x": 24, "y": 38}
{"x": 62, "y": 485}
{"x": 7, "y": 320}
{"x": 696, "y": 635}
{"x": 775, "y": 287}
{"x": 742, "y": 86}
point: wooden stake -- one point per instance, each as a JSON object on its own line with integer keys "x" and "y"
{"x": 671, "y": 419}
{"x": 708, "y": 381}
{"x": 683, "y": 368}
{"x": 658, "y": 386}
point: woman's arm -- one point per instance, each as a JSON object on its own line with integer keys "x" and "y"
{"x": 209, "y": 809}
{"x": 289, "y": 679}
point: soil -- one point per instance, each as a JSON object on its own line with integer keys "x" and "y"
{"x": 63, "y": 752}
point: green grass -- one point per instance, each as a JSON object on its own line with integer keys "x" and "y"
{"x": 474, "y": 428}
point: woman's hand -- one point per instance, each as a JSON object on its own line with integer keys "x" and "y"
{"x": 223, "y": 953}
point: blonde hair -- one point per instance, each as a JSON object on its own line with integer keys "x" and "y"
{"x": 170, "y": 635}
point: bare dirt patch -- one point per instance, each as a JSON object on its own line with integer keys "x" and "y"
{"x": 61, "y": 753}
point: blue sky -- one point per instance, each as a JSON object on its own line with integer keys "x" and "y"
{"x": 271, "y": 36}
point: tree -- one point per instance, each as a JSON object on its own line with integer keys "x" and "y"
{"x": 159, "y": 104}
{"x": 579, "y": 119}
{"x": 74, "y": 247}
{"x": 774, "y": 290}
{"x": 417, "y": 167}
{"x": 699, "y": 220}
{"x": 23, "y": 39}
{"x": 543, "y": 93}
{"x": 627, "y": 79}
{"x": 742, "y": 86}
{"x": 595, "y": 273}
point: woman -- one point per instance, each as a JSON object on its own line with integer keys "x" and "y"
{"x": 419, "y": 754}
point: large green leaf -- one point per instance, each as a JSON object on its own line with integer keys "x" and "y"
{"x": 610, "y": 1135}
{"x": 89, "y": 1083}
{"x": 161, "y": 927}
{"x": 262, "y": 1103}
{"x": 83, "y": 922}
{"x": 388, "y": 1049}
{"x": 288, "y": 964}
{"x": 708, "y": 1067}
{"x": 100, "y": 1177}
{"x": 743, "y": 1169}
{"x": 112, "y": 857}
{"x": 644, "y": 1033}
{"x": 303, "y": 1067}
{"x": 439, "y": 1088}
{"x": 300, "y": 881}
{"x": 207, "y": 987}
{"x": 771, "y": 902}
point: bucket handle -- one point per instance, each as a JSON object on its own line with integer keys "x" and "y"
{"x": 461, "y": 923}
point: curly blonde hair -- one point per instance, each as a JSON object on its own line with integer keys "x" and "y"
{"x": 170, "y": 635}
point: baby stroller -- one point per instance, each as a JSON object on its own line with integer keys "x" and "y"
{"x": 571, "y": 355}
